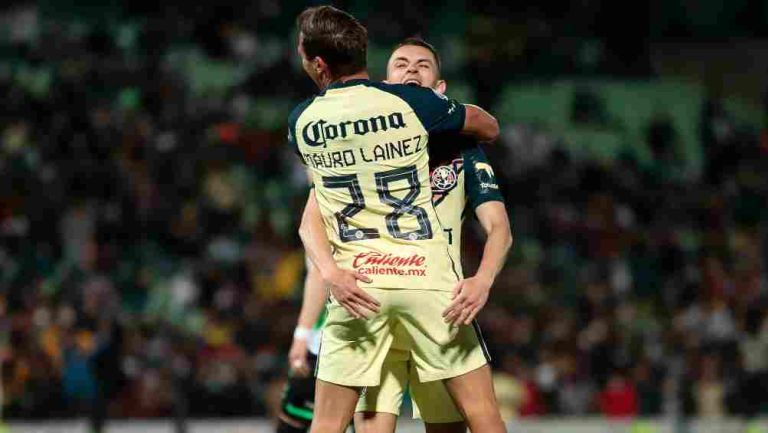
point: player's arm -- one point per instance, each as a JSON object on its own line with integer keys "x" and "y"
{"x": 312, "y": 305}
{"x": 438, "y": 114}
{"x": 494, "y": 220}
{"x": 314, "y": 238}
{"x": 479, "y": 124}
{"x": 471, "y": 294}
{"x": 341, "y": 283}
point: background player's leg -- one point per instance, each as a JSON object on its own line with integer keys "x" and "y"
{"x": 298, "y": 401}
{"x": 334, "y": 407}
{"x": 433, "y": 404}
{"x": 379, "y": 406}
{"x": 287, "y": 425}
{"x": 474, "y": 395}
{"x": 375, "y": 422}
{"x": 447, "y": 427}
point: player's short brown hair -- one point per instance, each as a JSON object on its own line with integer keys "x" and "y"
{"x": 335, "y": 36}
{"x": 419, "y": 42}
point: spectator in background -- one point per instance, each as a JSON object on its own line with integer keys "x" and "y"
{"x": 709, "y": 389}
{"x": 753, "y": 348}
{"x": 107, "y": 371}
{"x": 649, "y": 388}
{"x": 78, "y": 379}
{"x": 618, "y": 399}
{"x": 510, "y": 390}
{"x": 575, "y": 392}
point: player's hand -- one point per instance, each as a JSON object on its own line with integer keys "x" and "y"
{"x": 297, "y": 357}
{"x": 343, "y": 287}
{"x": 469, "y": 297}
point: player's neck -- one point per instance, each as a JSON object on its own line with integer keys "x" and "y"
{"x": 362, "y": 75}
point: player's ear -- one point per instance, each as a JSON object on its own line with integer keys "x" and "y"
{"x": 441, "y": 87}
{"x": 320, "y": 66}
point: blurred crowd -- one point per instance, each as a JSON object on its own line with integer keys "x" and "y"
{"x": 149, "y": 262}
{"x": 634, "y": 290}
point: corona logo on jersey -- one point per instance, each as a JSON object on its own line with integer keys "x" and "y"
{"x": 317, "y": 133}
{"x": 486, "y": 175}
{"x": 375, "y": 263}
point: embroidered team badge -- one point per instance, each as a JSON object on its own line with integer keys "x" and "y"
{"x": 444, "y": 178}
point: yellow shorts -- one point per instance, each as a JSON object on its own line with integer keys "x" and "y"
{"x": 431, "y": 400}
{"x": 353, "y": 351}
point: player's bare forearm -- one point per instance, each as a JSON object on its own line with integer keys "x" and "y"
{"x": 480, "y": 124}
{"x": 471, "y": 294}
{"x": 314, "y": 298}
{"x": 341, "y": 283}
{"x": 315, "y": 239}
{"x": 493, "y": 217}
{"x": 311, "y": 306}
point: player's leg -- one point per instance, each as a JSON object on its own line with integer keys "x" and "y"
{"x": 351, "y": 358}
{"x": 442, "y": 351}
{"x": 375, "y": 422}
{"x": 447, "y": 427}
{"x": 289, "y": 425}
{"x": 334, "y": 407}
{"x": 433, "y": 404}
{"x": 379, "y": 406}
{"x": 474, "y": 395}
{"x": 298, "y": 403}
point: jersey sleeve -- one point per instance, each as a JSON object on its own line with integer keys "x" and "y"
{"x": 480, "y": 180}
{"x": 293, "y": 118}
{"x": 436, "y": 112}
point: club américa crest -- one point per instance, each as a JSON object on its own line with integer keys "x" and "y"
{"x": 444, "y": 178}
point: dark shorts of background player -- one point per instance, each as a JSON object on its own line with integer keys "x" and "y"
{"x": 299, "y": 396}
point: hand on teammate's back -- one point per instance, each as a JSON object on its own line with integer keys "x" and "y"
{"x": 343, "y": 287}
{"x": 469, "y": 297}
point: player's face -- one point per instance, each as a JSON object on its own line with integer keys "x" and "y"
{"x": 415, "y": 65}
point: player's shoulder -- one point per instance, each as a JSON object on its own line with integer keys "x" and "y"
{"x": 475, "y": 160}
{"x": 471, "y": 150}
{"x": 299, "y": 110}
{"x": 481, "y": 183}
{"x": 409, "y": 93}
{"x": 293, "y": 118}
{"x": 432, "y": 108}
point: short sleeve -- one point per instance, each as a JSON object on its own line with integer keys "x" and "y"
{"x": 436, "y": 112}
{"x": 481, "y": 184}
{"x": 293, "y": 118}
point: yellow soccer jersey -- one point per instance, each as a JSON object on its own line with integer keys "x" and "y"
{"x": 365, "y": 144}
{"x": 461, "y": 175}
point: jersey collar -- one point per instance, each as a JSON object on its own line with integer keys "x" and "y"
{"x": 348, "y": 83}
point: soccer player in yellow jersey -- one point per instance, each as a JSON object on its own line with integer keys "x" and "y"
{"x": 365, "y": 145}
{"x": 462, "y": 178}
